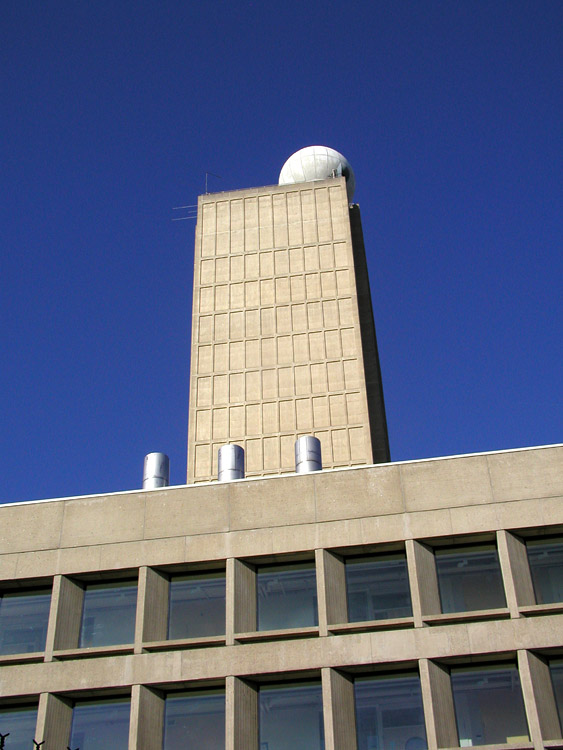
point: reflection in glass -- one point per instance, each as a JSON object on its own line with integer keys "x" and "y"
{"x": 99, "y": 725}
{"x": 556, "y": 669}
{"x": 195, "y": 721}
{"x": 546, "y": 565}
{"x": 291, "y": 717}
{"x": 377, "y": 588}
{"x": 389, "y": 712}
{"x": 286, "y": 596}
{"x": 197, "y": 606}
{"x": 20, "y": 723}
{"x": 488, "y": 705}
{"x": 23, "y": 621}
{"x": 108, "y": 614}
{"x": 469, "y": 578}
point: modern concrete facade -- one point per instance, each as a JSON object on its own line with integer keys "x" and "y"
{"x": 505, "y": 500}
{"x": 283, "y": 339}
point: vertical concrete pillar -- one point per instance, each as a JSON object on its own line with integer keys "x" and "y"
{"x": 244, "y": 597}
{"x": 334, "y": 578}
{"x": 513, "y": 558}
{"x": 438, "y": 703}
{"x": 339, "y": 710}
{"x": 54, "y": 720}
{"x": 151, "y": 623}
{"x": 423, "y": 580}
{"x": 539, "y": 699}
{"x": 241, "y": 714}
{"x": 147, "y": 719}
{"x": 65, "y": 615}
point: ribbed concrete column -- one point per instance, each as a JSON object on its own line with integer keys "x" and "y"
{"x": 339, "y": 710}
{"x": 244, "y": 580}
{"x": 334, "y": 575}
{"x": 423, "y": 581}
{"x": 147, "y": 719}
{"x": 152, "y": 607}
{"x": 68, "y": 598}
{"x": 539, "y": 700}
{"x": 513, "y": 558}
{"x": 54, "y": 719}
{"x": 241, "y": 714}
{"x": 438, "y": 703}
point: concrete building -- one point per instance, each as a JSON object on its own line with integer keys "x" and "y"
{"x": 369, "y": 605}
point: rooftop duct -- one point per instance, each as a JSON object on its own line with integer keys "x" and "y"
{"x": 156, "y": 472}
{"x": 231, "y": 462}
{"x": 308, "y": 454}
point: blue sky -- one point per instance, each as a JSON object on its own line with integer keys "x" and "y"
{"x": 450, "y": 113}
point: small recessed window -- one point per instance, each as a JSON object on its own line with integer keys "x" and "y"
{"x": 286, "y": 596}
{"x": 488, "y": 705}
{"x": 556, "y": 669}
{"x": 108, "y": 614}
{"x": 546, "y": 565}
{"x": 19, "y": 722}
{"x": 197, "y": 605}
{"x": 389, "y": 712}
{"x": 23, "y": 620}
{"x": 101, "y": 724}
{"x": 469, "y": 578}
{"x": 195, "y": 719}
{"x": 377, "y": 587}
{"x": 291, "y": 716}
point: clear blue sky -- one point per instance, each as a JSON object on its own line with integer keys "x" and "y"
{"x": 450, "y": 113}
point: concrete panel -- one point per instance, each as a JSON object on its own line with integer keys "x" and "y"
{"x": 428, "y": 524}
{"x": 189, "y": 510}
{"x": 516, "y": 475}
{"x": 134, "y": 554}
{"x": 8, "y": 565}
{"x": 37, "y": 564}
{"x": 446, "y": 483}
{"x": 271, "y": 502}
{"x": 101, "y": 520}
{"x": 30, "y": 526}
{"x": 358, "y": 493}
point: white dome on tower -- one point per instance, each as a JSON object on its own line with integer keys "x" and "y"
{"x": 317, "y": 163}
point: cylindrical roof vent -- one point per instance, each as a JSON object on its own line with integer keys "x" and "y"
{"x": 156, "y": 471}
{"x": 231, "y": 462}
{"x": 308, "y": 454}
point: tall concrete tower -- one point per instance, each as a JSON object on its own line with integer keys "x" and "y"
{"x": 283, "y": 339}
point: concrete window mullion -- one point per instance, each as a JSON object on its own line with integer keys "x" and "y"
{"x": 54, "y": 720}
{"x": 513, "y": 558}
{"x": 331, "y": 582}
{"x": 152, "y": 607}
{"x": 539, "y": 700}
{"x": 65, "y": 617}
{"x": 241, "y": 714}
{"x": 242, "y": 600}
{"x": 423, "y": 580}
{"x": 438, "y": 703}
{"x": 147, "y": 719}
{"x": 339, "y": 710}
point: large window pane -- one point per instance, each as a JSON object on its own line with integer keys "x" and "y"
{"x": 377, "y": 588}
{"x": 286, "y": 596}
{"x": 556, "y": 668}
{"x": 99, "y": 725}
{"x": 389, "y": 713}
{"x": 291, "y": 717}
{"x": 546, "y": 564}
{"x": 488, "y": 706}
{"x": 195, "y": 721}
{"x": 23, "y": 621}
{"x": 108, "y": 614}
{"x": 20, "y": 723}
{"x": 197, "y": 606}
{"x": 469, "y": 578}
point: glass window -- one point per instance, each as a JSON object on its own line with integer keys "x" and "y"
{"x": 291, "y": 717}
{"x": 197, "y": 605}
{"x": 556, "y": 668}
{"x": 23, "y": 621}
{"x": 469, "y": 578}
{"x": 99, "y": 725}
{"x": 488, "y": 705}
{"x": 286, "y": 596}
{"x": 546, "y": 565}
{"x": 195, "y": 721}
{"x": 20, "y": 723}
{"x": 389, "y": 712}
{"x": 377, "y": 588}
{"x": 108, "y": 614}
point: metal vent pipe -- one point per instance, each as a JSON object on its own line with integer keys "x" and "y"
{"x": 156, "y": 472}
{"x": 308, "y": 454}
{"x": 231, "y": 462}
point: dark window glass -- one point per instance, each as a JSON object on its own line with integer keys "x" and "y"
{"x": 23, "y": 621}
{"x": 488, "y": 705}
{"x": 389, "y": 712}
{"x": 99, "y": 725}
{"x": 197, "y": 606}
{"x": 377, "y": 588}
{"x": 20, "y": 723}
{"x": 195, "y": 721}
{"x": 546, "y": 564}
{"x": 108, "y": 614}
{"x": 556, "y": 668}
{"x": 291, "y": 717}
{"x": 286, "y": 596}
{"x": 469, "y": 578}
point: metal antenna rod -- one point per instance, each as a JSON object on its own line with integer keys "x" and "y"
{"x": 210, "y": 174}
